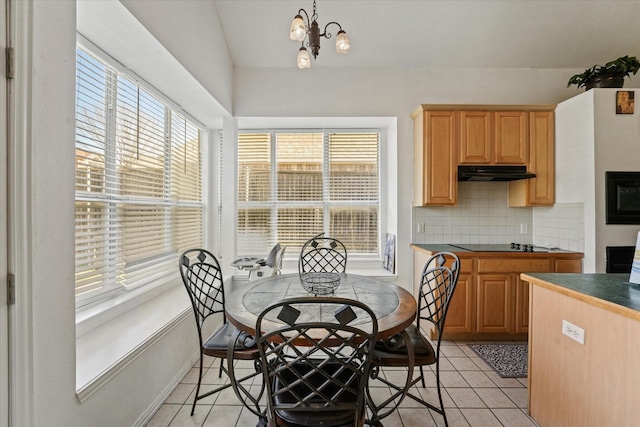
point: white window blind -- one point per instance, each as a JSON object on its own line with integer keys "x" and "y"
{"x": 138, "y": 182}
{"x": 293, "y": 185}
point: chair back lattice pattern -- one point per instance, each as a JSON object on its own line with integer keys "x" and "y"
{"x": 444, "y": 259}
{"x": 323, "y": 254}
{"x": 202, "y": 276}
{"x": 436, "y": 288}
{"x": 316, "y": 366}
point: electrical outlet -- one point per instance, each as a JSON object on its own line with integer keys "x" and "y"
{"x": 523, "y": 228}
{"x": 572, "y": 331}
{"x": 421, "y": 227}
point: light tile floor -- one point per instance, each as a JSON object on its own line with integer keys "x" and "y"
{"x": 474, "y": 395}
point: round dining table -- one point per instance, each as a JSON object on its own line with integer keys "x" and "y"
{"x": 394, "y": 307}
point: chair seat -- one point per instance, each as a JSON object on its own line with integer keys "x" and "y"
{"x": 217, "y": 345}
{"x": 393, "y": 352}
{"x": 287, "y": 394}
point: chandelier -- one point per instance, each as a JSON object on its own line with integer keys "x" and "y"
{"x": 300, "y": 31}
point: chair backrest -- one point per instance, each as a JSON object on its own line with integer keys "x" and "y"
{"x": 323, "y": 254}
{"x": 436, "y": 289}
{"x": 444, "y": 259}
{"x": 316, "y": 359}
{"x": 202, "y": 276}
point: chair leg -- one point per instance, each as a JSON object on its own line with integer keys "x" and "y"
{"x": 220, "y": 370}
{"x": 422, "y": 377}
{"x": 444, "y": 414}
{"x": 195, "y": 397}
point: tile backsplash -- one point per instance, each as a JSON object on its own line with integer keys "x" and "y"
{"x": 561, "y": 226}
{"x": 483, "y": 215}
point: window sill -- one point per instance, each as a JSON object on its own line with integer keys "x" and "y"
{"x": 109, "y": 348}
{"x": 119, "y": 333}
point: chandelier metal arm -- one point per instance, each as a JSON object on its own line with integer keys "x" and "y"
{"x": 327, "y": 35}
{"x": 300, "y": 12}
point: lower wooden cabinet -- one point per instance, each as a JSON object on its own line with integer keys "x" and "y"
{"x": 490, "y": 300}
{"x": 495, "y": 306}
{"x": 461, "y": 315}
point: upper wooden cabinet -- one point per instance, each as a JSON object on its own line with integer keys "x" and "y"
{"x": 511, "y": 140}
{"x": 435, "y": 161}
{"x": 446, "y": 136}
{"x": 539, "y": 191}
{"x": 476, "y": 147}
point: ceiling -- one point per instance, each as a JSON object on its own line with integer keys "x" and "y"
{"x": 428, "y": 33}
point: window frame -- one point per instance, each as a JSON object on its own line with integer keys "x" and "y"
{"x": 147, "y": 286}
{"x": 274, "y": 205}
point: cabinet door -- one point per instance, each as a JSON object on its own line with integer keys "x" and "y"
{"x": 511, "y": 137}
{"x": 495, "y": 303}
{"x": 541, "y": 159}
{"x": 475, "y": 137}
{"x": 460, "y": 317}
{"x": 522, "y": 306}
{"x": 440, "y": 158}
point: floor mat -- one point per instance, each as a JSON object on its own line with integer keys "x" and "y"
{"x": 508, "y": 360}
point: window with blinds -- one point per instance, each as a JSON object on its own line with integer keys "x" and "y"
{"x": 138, "y": 196}
{"x": 293, "y": 185}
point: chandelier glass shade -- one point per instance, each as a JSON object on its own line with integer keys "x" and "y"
{"x": 309, "y": 30}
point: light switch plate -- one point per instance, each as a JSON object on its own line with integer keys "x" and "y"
{"x": 572, "y": 331}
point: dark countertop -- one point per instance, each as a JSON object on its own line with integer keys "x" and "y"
{"x": 610, "y": 291}
{"x": 443, "y": 247}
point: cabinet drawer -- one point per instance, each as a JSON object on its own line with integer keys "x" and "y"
{"x": 568, "y": 266}
{"x": 510, "y": 265}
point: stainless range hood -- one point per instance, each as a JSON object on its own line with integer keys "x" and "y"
{"x": 493, "y": 173}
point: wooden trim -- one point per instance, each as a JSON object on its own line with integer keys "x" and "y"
{"x": 476, "y": 107}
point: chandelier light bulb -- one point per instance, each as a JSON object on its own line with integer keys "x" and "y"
{"x": 298, "y": 30}
{"x": 303, "y": 59}
{"x": 343, "y": 44}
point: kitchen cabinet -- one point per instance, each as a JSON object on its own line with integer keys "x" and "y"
{"x": 476, "y": 146}
{"x": 446, "y": 136}
{"x": 539, "y": 191}
{"x": 435, "y": 161}
{"x": 460, "y": 316}
{"x": 511, "y": 139}
{"x": 491, "y": 302}
{"x": 495, "y": 303}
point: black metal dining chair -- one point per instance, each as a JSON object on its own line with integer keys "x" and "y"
{"x": 436, "y": 289}
{"x": 316, "y": 360}
{"x": 202, "y": 277}
{"x": 323, "y": 254}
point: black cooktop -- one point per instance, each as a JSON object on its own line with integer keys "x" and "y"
{"x": 513, "y": 247}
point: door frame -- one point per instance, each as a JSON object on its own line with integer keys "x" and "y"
{"x": 19, "y": 329}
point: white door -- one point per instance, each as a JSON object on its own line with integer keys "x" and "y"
{"x": 4, "y": 312}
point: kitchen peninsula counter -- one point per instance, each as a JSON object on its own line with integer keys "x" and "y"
{"x": 584, "y": 349}
{"x": 491, "y": 302}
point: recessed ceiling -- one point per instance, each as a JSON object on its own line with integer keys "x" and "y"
{"x": 425, "y": 33}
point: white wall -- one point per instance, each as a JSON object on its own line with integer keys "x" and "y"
{"x": 191, "y": 32}
{"x": 590, "y": 140}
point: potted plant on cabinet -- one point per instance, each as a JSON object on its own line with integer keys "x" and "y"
{"x": 611, "y": 74}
